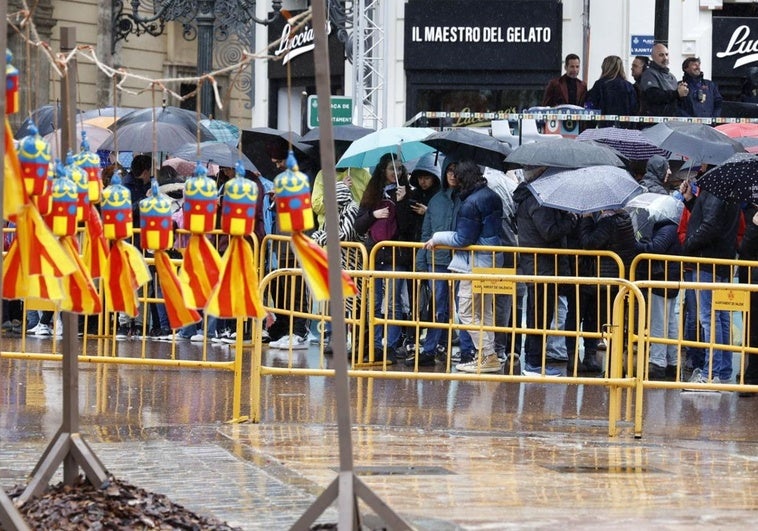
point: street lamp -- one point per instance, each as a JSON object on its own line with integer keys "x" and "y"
{"x": 200, "y": 18}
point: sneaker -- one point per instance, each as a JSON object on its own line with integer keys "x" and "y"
{"x": 265, "y": 337}
{"x": 293, "y": 342}
{"x": 225, "y": 336}
{"x": 425, "y": 359}
{"x": 328, "y": 350}
{"x": 489, "y": 363}
{"x": 536, "y": 370}
{"x": 198, "y": 337}
{"x": 181, "y": 336}
{"x": 379, "y": 356}
{"x": 43, "y": 330}
{"x": 465, "y": 356}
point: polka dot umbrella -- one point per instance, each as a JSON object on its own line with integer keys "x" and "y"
{"x": 736, "y": 179}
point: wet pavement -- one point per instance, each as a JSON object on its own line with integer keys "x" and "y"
{"x": 443, "y": 455}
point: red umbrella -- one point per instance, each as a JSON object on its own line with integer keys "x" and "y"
{"x": 737, "y": 130}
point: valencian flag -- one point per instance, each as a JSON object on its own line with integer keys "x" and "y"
{"x": 157, "y": 235}
{"x": 95, "y": 245}
{"x": 295, "y": 215}
{"x": 201, "y": 263}
{"x": 35, "y": 262}
{"x": 126, "y": 269}
{"x": 80, "y": 293}
{"x": 237, "y": 293}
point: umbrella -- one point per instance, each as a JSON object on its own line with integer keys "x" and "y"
{"x": 738, "y": 129}
{"x": 96, "y": 136}
{"x": 650, "y": 208}
{"x": 184, "y": 118}
{"x": 222, "y": 131}
{"x": 138, "y": 136}
{"x": 631, "y": 143}
{"x": 185, "y": 168}
{"x": 214, "y": 152}
{"x": 564, "y": 153}
{"x": 406, "y": 142}
{"x": 341, "y": 133}
{"x": 585, "y": 190}
{"x": 256, "y": 144}
{"x": 736, "y": 179}
{"x": 699, "y": 142}
{"x": 467, "y": 144}
{"x": 46, "y": 118}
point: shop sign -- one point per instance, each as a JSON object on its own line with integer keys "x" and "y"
{"x": 474, "y": 35}
{"x": 735, "y": 45}
{"x": 294, "y": 49}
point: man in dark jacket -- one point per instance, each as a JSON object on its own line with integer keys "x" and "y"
{"x": 568, "y": 88}
{"x": 661, "y": 93}
{"x": 711, "y": 233}
{"x": 545, "y": 228}
{"x": 704, "y": 98}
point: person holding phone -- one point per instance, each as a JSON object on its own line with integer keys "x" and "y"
{"x": 703, "y": 97}
{"x": 385, "y": 215}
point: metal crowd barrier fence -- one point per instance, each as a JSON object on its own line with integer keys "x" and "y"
{"x": 365, "y": 362}
{"x": 728, "y": 305}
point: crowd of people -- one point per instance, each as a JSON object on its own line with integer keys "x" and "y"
{"x": 655, "y": 90}
{"x": 448, "y": 204}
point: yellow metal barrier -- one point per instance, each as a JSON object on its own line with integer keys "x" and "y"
{"x": 289, "y": 362}
{"x": 729, "y": 297}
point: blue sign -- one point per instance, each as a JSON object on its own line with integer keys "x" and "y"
{"x": 642, "y": 44}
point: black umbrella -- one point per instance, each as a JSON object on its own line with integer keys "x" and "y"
{"x": 259, "y": 142}
{"x": 219, "y": 153}
{"x": 46, "y": 119}
{"x": 462, "y": 143}
{"x": 735, "y": 179}
{"x": 699, "y": 142}
{"x": 146, "y": 137}
{"x": 564, "y": 153}
{"x": 184, "y": 118}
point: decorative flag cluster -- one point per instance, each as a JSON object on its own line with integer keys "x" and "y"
{"x": 47, "y": 201}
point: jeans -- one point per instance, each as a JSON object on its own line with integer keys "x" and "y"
{"x": 721, "y": 332}
{"x": 695, "y": 355}
{"x": 441, "y": 294}
{"x": 663, "y": 323}
{"x": 391, "y": 290}
{"x": 556, "y": 345}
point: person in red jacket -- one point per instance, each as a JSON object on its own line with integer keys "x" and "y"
{"x": 568, "y": 88}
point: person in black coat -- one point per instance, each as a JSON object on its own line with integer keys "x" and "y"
{"x": 749, "y": 251}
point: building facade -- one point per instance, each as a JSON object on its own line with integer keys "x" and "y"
{"x": 398, "y": 57}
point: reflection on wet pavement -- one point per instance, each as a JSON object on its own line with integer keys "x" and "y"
{"x": 444, "y": 455}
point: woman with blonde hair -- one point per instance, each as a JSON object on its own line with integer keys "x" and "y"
{"x": 612, "y": 93}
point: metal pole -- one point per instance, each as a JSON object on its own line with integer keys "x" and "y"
{"x": 205, "y": 21}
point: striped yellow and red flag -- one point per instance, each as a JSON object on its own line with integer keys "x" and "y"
{"x": 313, "y": 259}
{"x": 80, "y": 293}
{"x": 237, "y": 293}
{"x": 179, "y": 315}
{"x": 95, "y": 245}
{"x": 125, "y": 274}
{"x": 14, "y": 193}
{"x": 200, "y": 271}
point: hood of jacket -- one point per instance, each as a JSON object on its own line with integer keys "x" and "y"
{"x": 429, "y": 164}
{"x": 656, "y": 168}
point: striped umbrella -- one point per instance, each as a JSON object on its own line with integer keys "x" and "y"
{"x": 631, "y": 143}
{"x": 223, "y": 131}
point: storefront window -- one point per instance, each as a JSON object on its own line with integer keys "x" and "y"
{"x": 471, "y": 100}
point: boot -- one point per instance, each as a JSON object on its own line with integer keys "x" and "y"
{"x": 590, "y": 364}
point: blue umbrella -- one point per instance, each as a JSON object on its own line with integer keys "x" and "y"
{"x": 223, "y": 131}
{"x": 405, "y": 142}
